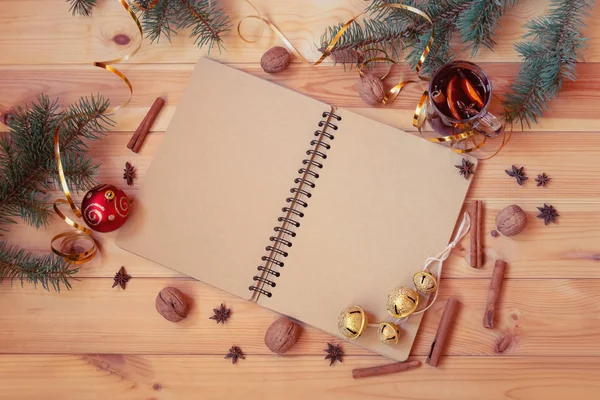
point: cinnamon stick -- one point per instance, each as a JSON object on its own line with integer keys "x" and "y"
{"x": 385, "y": 369}
{"x": 479, "y": 205}
{"x": 441, "y": 336}
{"x": 136, "y": 141}
{"x": 494, "y": 293}
{"x": 476, "y": 255}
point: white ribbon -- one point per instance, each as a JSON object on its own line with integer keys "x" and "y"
{"x": 442, "y": 256}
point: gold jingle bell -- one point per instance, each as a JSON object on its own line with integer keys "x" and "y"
{"x": 352, "y": 322}
{"x": 402, "y": 301}
{"x": 424, "y": 282}
{"x": 389, "y": 333}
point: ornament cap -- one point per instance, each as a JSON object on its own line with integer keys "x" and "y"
{"x": 352, "y": 322}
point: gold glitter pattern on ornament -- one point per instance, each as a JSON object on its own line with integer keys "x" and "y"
{"x": 402, "y": 301}
{"x": 352, "y": 322}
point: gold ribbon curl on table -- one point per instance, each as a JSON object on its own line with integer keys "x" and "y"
{"x": 420, "y": 113}
{"x": 81, "y": 231}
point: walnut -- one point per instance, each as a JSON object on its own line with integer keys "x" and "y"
{"x": 511, "y": 220}
{"x": 275, "y": 60}
{"x": 370, "y": 88}
{"x": 282, "y": 335}
{"x": 171, "y": 304}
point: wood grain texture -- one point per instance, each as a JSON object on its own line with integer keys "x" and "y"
{"x": 95, "y": 342}
{"x": 168, "y": 377}
{"x": 575, "y": 109}
{"x": 536, "y": 314}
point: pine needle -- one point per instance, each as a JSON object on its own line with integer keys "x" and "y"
{"x": 82, "y": 7}
{"x": 48, "y": 270}
{"x": 28, "y": 172}
{"x": 393, "y": 29}
{"x": 548, "y": 59}
{"x": 206, "y": 21}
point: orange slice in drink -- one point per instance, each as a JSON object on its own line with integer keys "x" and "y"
{"x": 471, "y": 92}
{"x": 452, "y": 93}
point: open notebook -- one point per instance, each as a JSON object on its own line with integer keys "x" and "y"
{"x": 295, "y": 204}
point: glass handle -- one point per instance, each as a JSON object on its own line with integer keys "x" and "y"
{"x": 489, "y": 126}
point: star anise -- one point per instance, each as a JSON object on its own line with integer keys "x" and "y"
{"x": 334, "y": 353}
{"x": 129, "y": 173}
{"x": 542, "y": 179}
{"x": 547, "y": 213}
{"x": 517, "y": 173}
{"x": 221, "y": 314}
{"x": 469, "y": 110}
{"x": 121, "y": 278}
{"x": 234, "y": 353}
{"x": 465, "y": 168}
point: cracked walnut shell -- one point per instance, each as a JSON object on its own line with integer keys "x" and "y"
{"x": 171, "y": 304}
{"x": 282, "y": 335}
{"x": 511, "y": 220}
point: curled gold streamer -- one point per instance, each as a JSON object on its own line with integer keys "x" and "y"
{"x": 82, "y": 232}
{"x": 419, "y": 116}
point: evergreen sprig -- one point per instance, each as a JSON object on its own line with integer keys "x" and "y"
{"x": 82, "y": 7}
{"x": 27, "y": 164}
{"x": 28, "y": 172}
{"x": 47, "y": 270}
{"x": 475, "y": 20}
{"x": 208, "y": 23}
{"x": 548, "y": 59}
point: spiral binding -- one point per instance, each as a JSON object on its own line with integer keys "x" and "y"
{"x": 301, "y": 192}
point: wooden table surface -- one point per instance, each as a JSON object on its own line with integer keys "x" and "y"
{"x": 94, "y": 342}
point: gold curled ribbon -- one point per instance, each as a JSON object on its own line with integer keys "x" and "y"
{"x": 420, "y": 114}
{"x": 82, "y": 232}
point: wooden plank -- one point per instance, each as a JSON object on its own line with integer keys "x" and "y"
{"x": 567, "y": 249}
{"x": 51, "y": 34}
{"x": 535, "y": 317}
{"x": 123, "y": 377}
{"x": 574, "y": 110}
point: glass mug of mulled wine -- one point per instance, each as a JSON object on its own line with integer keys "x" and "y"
{"x": 460, "y": 94}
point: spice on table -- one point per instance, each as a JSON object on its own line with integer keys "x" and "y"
{"x": 129, "y": 173}
{"x": 370, "y": 88}
{"x": 171, "y": 304}
{"x": 121, "y": 278}
{"x": 234, "y": 353}
{"x": 476, "y": 255}
{"x": 443, "y": 332}
{"x": 494, "y": 233}
{"x": 511, "y": 220}
{"x": 136, "y": 141}
{"x": 385, "y": 369}
{"x": 548, "y": 213}
{"x": 282, "y": 335}
{"x": 465, "y": 168}
{"x": 494, "y": 293}
{"x": 275, "y": 60}
{"x": 542, "y": 179}
{"x": 518, "y": 174}
{"x": 335, "y": 352}
{"x": 221, "y": 314}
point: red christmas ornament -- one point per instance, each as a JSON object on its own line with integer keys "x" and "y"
{"x": 105, "y": 208}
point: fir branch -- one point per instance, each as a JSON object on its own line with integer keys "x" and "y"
{"x": 208, "y": 22}
{"x": 27, "y": 164}
{"x": 47, "y": 270}
{"x": 548, "y": 59}
{"x": 82, "y": 7}
{"x": 476, "y": 20}
{"x": 477, "y": 24}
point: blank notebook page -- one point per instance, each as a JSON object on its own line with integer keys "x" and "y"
{"x": 384, "y": 202}
{"x": 216, "y": 186}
